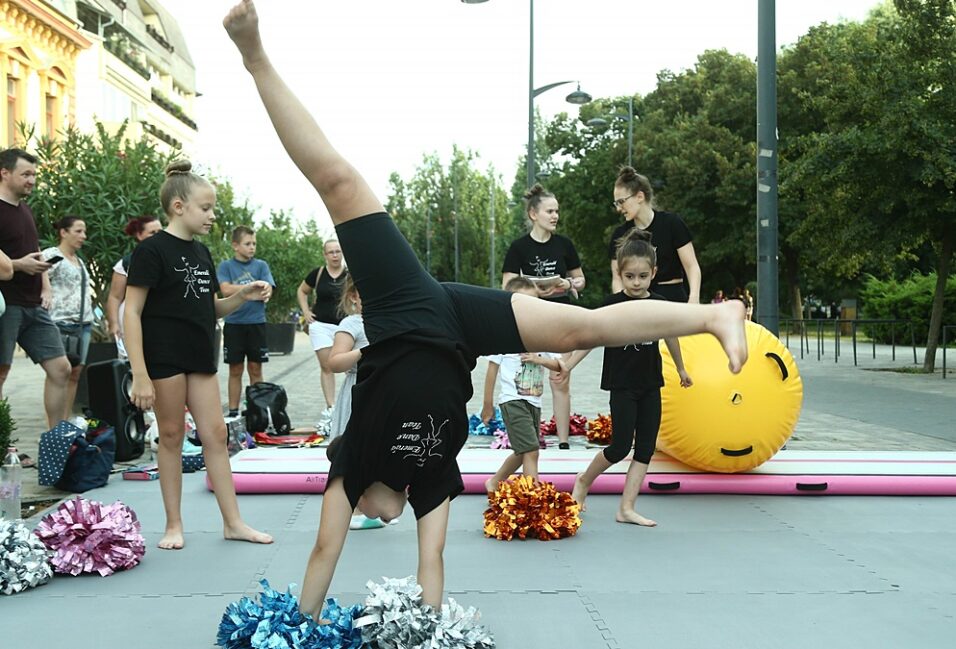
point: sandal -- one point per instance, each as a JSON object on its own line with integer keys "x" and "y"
{"x": 26, "y": 461}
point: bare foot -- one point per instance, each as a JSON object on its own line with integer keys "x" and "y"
{"x": 242, "y": 25}
{"x": 579, "y": 492}
{"x": 634, "y": 518}
{"x": 172, "y": 539}
{"x": 728, "y": 327}
{"x": 243, "y": 532}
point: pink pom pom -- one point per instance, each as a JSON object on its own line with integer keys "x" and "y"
{"x": 88, "y": 536}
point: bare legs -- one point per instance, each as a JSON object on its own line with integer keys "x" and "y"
{"x": 561, "y": 395}
{"x": 200, "y": 392}
{"x": 636, "y": 473}
{"x": 527, "y": 461}
{"x": 235, "y": 380}
{"x": 546, "y": 326}
{"x": 328, "y": 376}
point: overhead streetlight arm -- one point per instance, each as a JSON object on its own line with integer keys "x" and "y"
{"x": 542, "y": 89}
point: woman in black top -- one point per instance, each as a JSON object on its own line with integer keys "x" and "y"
{"x": 634, "y": 198}
{"x": 323, "y": 317}
{"x": 408, "y": 405}
{"x": 546, "y": 254}
{"x": 170, "y": 322}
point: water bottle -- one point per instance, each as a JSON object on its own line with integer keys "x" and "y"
{"x": 10, "y": 482}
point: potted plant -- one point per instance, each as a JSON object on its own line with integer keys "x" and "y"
{"x": 7, "y": 426}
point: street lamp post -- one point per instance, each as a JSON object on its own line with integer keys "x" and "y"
{"x": 577, "y": 97}
{"x": 491, "y": 234}
{"x": 600, "y": 121}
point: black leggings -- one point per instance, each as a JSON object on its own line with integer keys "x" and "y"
{"x": 635, "y": 419}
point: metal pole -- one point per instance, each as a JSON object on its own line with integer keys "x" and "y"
{"x": 767, "y": 304}
{"x": 530, "y": 161}
{"x": 491, "y": 234}
{"x": 428, "y": 240}
{"x": 630, "y": 130}
{"x": 454, "y": 195}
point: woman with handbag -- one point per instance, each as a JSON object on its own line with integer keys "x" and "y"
{"x": 72, "y": 308}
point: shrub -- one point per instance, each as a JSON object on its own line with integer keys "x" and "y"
{"x": 7, "y": 426}
{"x": 910, "y": 299}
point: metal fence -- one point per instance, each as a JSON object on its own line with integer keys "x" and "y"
{"x": 804, "y": 327}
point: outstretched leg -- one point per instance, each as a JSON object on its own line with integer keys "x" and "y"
{"x": 343, "y": 190}
{"x": 548, "y": 326}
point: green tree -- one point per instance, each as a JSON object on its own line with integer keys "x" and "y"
{"x": 291, "y": 250}
{"x": 103, "y": 178}
{"x": 882, "y": 175}
{"x": 427, "y": 206}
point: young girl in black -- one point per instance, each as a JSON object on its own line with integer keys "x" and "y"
{"x": 170, "y": 319}
{"x": 408, "y": 406}
{"x": 633, "y": 375}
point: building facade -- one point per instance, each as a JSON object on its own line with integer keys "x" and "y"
{"x": 82, "y": 61}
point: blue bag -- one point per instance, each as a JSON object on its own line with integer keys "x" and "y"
{"x": 75, "y": 461}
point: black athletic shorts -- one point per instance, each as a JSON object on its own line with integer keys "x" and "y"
{"x": 242, "y": 341}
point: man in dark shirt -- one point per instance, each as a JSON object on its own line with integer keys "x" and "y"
{"x": 28, "y": 296}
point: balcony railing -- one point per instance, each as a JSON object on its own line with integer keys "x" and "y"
{"x": 173, "y": 109}
{"x": 160, "y": 134}
{"x": 159, "y": 38}
{"x": 117, "y": 49}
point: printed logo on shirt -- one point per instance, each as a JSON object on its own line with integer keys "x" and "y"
{"x": 411, "y": 444}
{"x": 196, "y": 280}
{"x": 637, "y": 346}
{"x": 529, "y": 380}
{"x": 544, "y": 267}
{"x": 245, "y": 278}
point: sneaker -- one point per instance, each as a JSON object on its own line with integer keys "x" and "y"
{"x": 363, "y": 522}
{"x": 233, "y": 413}
{"x": 564, "y": 446}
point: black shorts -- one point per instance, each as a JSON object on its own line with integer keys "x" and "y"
{"x": 673, "y": 292}
{"x": 242, "y": 341}
{"x": 399, "y": 297}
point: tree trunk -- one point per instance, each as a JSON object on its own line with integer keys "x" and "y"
{"x": 936, "y": 315}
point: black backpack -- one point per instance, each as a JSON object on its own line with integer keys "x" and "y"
{"x": 265, "y": 409}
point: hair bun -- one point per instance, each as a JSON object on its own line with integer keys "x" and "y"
{"x": 536, "y": 190}
{"x": 627, "y": 174}
{"x": 178, "y": 167}
{"x": 637, "y": 234}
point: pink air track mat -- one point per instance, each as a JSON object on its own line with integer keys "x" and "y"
{"x": 845, "y": 473}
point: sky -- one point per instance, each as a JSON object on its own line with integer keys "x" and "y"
{"x": 390, "y": 81}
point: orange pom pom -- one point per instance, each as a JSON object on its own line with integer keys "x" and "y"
{"x": 526, "y": 508}
{"x": 599, "y": 430}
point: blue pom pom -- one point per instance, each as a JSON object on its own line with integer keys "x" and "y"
{"x": 477, "y": 427}
{"x": 275, "y": 622}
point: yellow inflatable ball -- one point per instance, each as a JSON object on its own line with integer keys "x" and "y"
{"x": 728, "y": 423}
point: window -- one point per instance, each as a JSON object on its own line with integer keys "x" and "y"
{"x": 12, "y": 114}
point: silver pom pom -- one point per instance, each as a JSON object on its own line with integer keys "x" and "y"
{"x": 24, "y": 560}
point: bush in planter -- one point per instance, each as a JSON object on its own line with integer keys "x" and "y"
{"x": 910, "y": 299}
{"x": 7, "y": 426}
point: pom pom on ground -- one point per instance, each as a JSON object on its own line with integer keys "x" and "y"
{"x": 87, "y": 536}
{"x": 599, "y": 430}
{"x": 24, "y": 560}
{"x": 577, "y": 425}
{"x": 273, "y": 621}
{"x": 524, "y": 508}
{"x": 478, "y": 427}
{"x": 396, "y": 618}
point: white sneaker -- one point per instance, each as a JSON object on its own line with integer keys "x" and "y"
{"x": 363, "y": 522}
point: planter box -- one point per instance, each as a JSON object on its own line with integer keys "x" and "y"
{"x": 280, "y": 337}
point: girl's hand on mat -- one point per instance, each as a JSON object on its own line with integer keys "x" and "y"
{"x": 141, "y": 393}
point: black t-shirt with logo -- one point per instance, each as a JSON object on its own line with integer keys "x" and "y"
{"x": 179, "y": 317}
{"x": 632, "y": 367}
{"x": 668, "y": 233}
{"x": 556, "y": 256}
{"x": 328, "y": 290}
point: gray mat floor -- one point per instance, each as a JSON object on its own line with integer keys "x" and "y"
{"x": 720, "y": 571}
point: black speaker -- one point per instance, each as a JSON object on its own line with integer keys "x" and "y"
{"x": 109, "y": 385}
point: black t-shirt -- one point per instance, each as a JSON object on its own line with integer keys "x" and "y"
{"x": 328, "y": 290}
{"x": 556, "y": 256}
{"x": 411, "y": 437}
{"x": 179, "y": 317}
{"x": 632, "y": 367}
{"x": 668, "y": 233}
{"x": 18, "y": 238}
